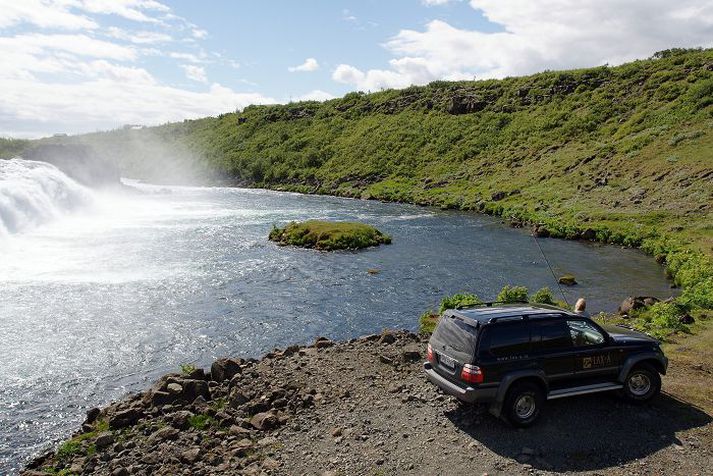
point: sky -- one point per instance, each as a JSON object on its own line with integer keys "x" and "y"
{"x": 73, "y": 66}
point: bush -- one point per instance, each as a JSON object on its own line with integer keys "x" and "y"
{"x": 427, "y": 322}
{"x": 200, "y": 421}
{"x": 458, "y": 301}
{"x": 329, "y": 236}
{"x": 512, "y": 294}
{"x": 663, "y": 318}
{"x": 543, "y": 296}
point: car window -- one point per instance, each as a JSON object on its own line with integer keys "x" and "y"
{"x": 551, "y": 335}
{"x": 458, "y": 335}
{"x": 506, "y": 339}
{"x": 584, "y": 333}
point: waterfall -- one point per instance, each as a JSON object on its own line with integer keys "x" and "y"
{"x": 33, "y": 193}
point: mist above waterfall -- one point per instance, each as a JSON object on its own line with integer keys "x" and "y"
{"x": 33, "y": 193}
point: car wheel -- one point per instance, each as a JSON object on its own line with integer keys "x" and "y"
{"x": 523, "y": 403}
{"x": 642, "y": 384}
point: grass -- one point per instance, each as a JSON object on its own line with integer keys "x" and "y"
{"x": 187, "y": 369}
{"x": 200, "y": 422}
{"x": 329, "y": 236}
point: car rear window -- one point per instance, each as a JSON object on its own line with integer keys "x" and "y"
{"x": 458, "y": 335}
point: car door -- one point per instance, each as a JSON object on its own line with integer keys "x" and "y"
{"x": 552, "y": 347}
{"x": 594, "y": 357}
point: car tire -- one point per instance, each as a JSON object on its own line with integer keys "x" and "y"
{"x": 523, "y": 404}
{"x": 642, "y": 384}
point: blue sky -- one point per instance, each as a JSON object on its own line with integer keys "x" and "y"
{"x": 82, "y": 65}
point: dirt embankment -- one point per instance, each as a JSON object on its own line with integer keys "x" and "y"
{"x": 364, "y": 407}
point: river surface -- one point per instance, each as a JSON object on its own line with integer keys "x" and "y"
{"x": 112, "y": 289}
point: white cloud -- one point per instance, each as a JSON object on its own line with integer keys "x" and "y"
{"x": 546, "y": 34}
{"x": 134, "y": 10}
{"x": 309, "y": 65}
{"x": 138, "y": 37}
{"x": 431, "y": 3}
{"x": 316, "y": 95}
{"x": 199, "y": 33}
{"x": 42, "y": 14}
{"x": 196, "y": 73}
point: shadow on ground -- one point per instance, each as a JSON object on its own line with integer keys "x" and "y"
{"x": 585, "y": 433}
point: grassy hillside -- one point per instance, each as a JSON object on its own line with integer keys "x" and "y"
{"x": 618, "y": 154}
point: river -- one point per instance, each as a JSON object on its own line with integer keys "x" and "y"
{"x": 103, "y": 291}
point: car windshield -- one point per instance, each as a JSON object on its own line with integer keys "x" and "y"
{"x": 457, "y": 335}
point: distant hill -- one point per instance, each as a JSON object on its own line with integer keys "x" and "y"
{"x": 612, "y": 153}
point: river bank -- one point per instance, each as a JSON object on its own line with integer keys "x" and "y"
{"x": 364, "y": 407}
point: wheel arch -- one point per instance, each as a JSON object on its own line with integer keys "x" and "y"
{"x": 650, "y": 358}
{"x": 535, "y": 376}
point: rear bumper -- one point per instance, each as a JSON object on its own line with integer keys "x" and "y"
{"x": 466, "y": 394}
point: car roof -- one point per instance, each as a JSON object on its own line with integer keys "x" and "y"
{"x": 486, "y": 313}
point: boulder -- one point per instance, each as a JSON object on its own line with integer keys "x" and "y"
{"x": 124, "y": 418}
{"x": 92, "y": 415}
{"x": 193, "y": 389}
{"x": 225, "y": 369}
{"x": 323, "y": 343}
{"x": 264, "y": 421}
{"x": 411, "y": 353}
{"x": 179, "y": 419}
{"x": 632, "y": 303}
{"x": 104, "y": 439}
{"x": 166, "y": 433}
{"x": 567, "y": 280}
{"x": 387, "y": 337}
{"x": 237, "y": 397}
{"x": 588, "y": 234}
{"x": 174, "y": 388}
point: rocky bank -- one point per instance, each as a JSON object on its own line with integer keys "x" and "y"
{"x": 364, "y": 407}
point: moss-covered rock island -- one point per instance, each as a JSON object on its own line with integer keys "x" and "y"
{"x": 329, "y": 235}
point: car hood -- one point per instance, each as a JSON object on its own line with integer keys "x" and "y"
{"x": 622, "y": 335}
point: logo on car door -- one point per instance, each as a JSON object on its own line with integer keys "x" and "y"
{"x": 596, "y": 361}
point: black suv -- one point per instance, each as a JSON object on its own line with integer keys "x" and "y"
{"x": 513, "y": 357}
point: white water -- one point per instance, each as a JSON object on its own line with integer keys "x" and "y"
{"x": 33, "y": 193}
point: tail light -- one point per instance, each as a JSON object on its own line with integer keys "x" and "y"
{"x": 429, "y": 354}
{"x": 471, "y": 374}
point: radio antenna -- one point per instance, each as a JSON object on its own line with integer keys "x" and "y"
{"x": 551, "y": 271}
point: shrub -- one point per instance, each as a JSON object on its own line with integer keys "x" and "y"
{"x": 512, "y": 294}
{"x": 543, "y": 296}
{"x": 663, "y": 318}
{"x": 200, "y": 422}
{"x": 427, "y": 322}
{"x": 187, "y": 369}
{"x": 458, "y": 301}
{"x": 329, "y": 236}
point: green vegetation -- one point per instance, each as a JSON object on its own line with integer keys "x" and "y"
{"x": 543, "y": 296}
{"x": 10, "y": 148}
{"x": 458, "y": 301}
{"x": 187, "y": 369}
{"x": 200, "y": 421}
{"x": 329, "y": 236}
{"x": 512, "y": 294}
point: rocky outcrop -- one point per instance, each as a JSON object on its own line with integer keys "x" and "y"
{"x": 228, "y": 421}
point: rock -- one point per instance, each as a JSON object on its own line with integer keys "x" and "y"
{"x": 166, "y": 433}
{"x": 686, "y": 318}
{"x": 124, "y": 418}
{"x": 567, "y": 280}
{"x": 193, "y": 389}
{"x": 387, "y": 337}
{"x": 242, "y": 447}
{"x": 322, "y": 343}
{"x": 196, "y": 374}
{"x": 236, "y": 430}
{"x": 632, "y": 303}
{"x": 224, "y": 369}
{"x": 120, "y": 472}
{"x": 104, "y": 439}
{"x": 588, "y": 234}
{"x": 497, "y": 196}
{"x": 386, "y": 360}
{"x": 92, "y": 415}
{"x": 270, "y": 464}
{"x": 179, "y": 419}
{"x": 191, "y": 455}
{"x": 236, "y": 397}
{"x": 174, "y": 388}
{"x": 540, "y": 231}
{"x": 411, "y": 353}
{"x": 264, "y": 421}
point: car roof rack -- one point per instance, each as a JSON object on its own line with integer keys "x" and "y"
{"x": 491, "y": 304}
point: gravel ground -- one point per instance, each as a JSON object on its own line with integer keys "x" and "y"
{"x": 365, "y": 407}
